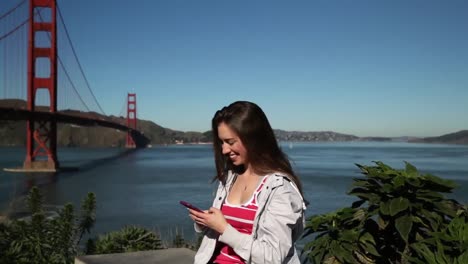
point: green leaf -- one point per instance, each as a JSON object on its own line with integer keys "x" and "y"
{"x": 440, "y": 257}
{"x": 403, "y": 225}
{"x": 431, "y": 217}
{"x": 362, "y": 183}
{"x": 359, "y": 215}
{"x": 387, "y": 188}
{"x": 414, "y": 182}
{"x": 397, "y": 205}
{"x": 385, "y": 208}
{"x": 363, "y": 168}
{"x": 371, "y": 249}
{"x": 418, "y": 220}
{"x": 463, "y": 258}
{"x": 446, "y": 207}
{"x": 343, "y": 253}
{"x": 399, "y": 181}
{"x": 429, "y": 196}
{"x": 411, "y": 171}
{"x": 368, "y": 244}
{"x": 367, "y": 238}
{"x": 443, "y": 185}
{"x": 371, "y": 197}
{"x": 428, "y": 257}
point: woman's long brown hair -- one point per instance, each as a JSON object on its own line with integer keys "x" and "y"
{"x": 250, "y": 123}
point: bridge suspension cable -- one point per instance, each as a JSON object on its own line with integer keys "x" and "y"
{"x": 9, "y": 12}
{"x": 124, "y": 108}
{"x": 13, "y": 51}
{"x": 77, "y": 60}
{"x": 14, "y": 30}
{"x": 12, "y": 10}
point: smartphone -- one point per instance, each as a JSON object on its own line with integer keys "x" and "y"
{"x": 189, "y": 205}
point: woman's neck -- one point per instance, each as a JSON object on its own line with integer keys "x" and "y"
{"x": 248, "y": 173}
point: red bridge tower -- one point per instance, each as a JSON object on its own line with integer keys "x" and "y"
{"x": 131, "y": 119}
{"x": 41, "y": 141}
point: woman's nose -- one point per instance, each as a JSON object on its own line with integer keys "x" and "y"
{"x": 225, "y": 149}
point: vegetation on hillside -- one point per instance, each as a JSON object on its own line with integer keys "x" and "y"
{"x": 13, "y": 133}
{"x": 460, "y": 137}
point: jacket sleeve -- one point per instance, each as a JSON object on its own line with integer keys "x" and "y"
{"x": 274, "y": 243}
{"x": 198, "y": 228}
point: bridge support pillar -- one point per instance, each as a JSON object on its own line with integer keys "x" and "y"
{"x": 131, "y": 119}
{"x": 41, "y": 136}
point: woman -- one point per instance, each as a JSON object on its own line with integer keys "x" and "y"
{"x": 258, "y": 212}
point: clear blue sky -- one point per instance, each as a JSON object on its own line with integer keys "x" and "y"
{"x": 368, "y": 68}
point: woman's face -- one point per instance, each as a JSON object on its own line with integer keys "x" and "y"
{"x": 231, "y": 145}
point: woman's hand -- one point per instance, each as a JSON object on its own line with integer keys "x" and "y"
{"x": 212, "y": 218}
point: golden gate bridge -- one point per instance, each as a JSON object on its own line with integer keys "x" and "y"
{"x": 49, "y": 78}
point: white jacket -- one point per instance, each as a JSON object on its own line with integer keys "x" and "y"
{"x": 278, "y": 223}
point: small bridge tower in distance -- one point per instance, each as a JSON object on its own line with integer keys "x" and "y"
{"x": 131, "y": 119}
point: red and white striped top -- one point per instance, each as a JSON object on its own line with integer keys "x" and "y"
{"x": 241, "y": 217}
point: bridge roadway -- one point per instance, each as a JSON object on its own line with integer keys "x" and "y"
{"x": 7, "y": 113}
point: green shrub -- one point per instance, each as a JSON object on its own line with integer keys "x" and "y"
{"x": 129, "y": 239}
{"x": 448, "y": 246}
{"x": 339, "y": 238}
{"x": 179, "y": 241}
{"x": 42, "y": 239}
{"x": 395, "y": 219}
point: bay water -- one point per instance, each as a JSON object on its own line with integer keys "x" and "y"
{"x": 144, "y": 187}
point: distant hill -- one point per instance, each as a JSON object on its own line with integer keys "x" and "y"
{"x": 460, "y": 137}
{"x": 387, "y": 139}
{"x": 13, "y": 133}
{"x": 283, "y": 135}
